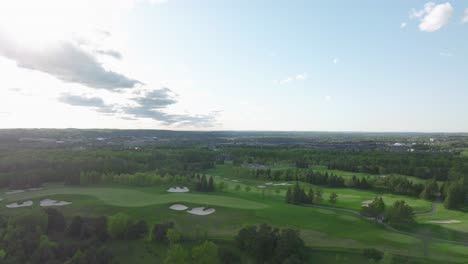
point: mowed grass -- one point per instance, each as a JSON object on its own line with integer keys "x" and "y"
{"x": 127, "y": 197}
{"x": 442, "y": 213}
{"x": 347, "y": 197}
{"x": 320, "y": 228}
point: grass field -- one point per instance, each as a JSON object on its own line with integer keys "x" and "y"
{"x": 347, "y": 198}
{"x": 320, "y": 228}
{"x": 130, "y": 197}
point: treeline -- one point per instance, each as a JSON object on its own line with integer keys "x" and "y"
{"x": 425, "y": 165}
{"x": 29, "y": 168}
{"x": 310, "y": 176}
{"x": 298, "y": 196}
{"x": 399, "y": 214}
{"x": 48, "y": 238}
{"x": 392, "y": 183}
{"x": 271, "y": 245}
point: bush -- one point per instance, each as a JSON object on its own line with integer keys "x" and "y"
{"x": 372, "y": 253}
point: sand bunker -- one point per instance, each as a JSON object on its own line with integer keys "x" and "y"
{"x": 201, "y": 211}
{"x": 15, "y": 191}
{"x": 178, "y": 190}
{"x": 282, "y": 184}
{"x": 35, "y": 189}
{"x": 17, "y": 205}
{"x": 178, "y": 207}
{"x": 269, "y": 183}
{"x": 443, "y": 221}
{"x": 261, "y": 186}
{"x": 235, "y": 180}
{"x": 50, "y": 202}
{"x": 366, "y": 203}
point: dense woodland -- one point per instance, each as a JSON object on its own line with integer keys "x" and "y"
{"x": 31, "y": 167}
{"x": 175, "y": 163}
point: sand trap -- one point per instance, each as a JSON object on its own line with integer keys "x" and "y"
{"x": 366, "y": 203}
{"x": 178, "y": 190}
{"x": 35, "y": 189}
{"x": 235, "y": 180}
{"x": 269, "y": 183}
{"x": 261, "y": 186}
{"x": 17, "y": 205}
{"x": 178, "y": 207}
{"x": 443, "y": 221}
{"x": 15, "y": 191}
{"x": 282, "y": 184}
{"x": 201, "y": 211}
{"x": 50, "y": 202}
{"x": 226, "y": 179}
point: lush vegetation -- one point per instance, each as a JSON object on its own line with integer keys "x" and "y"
{"x": 273, "y": 205}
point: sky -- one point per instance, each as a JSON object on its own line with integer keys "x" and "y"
{"x": 289, "y": 65}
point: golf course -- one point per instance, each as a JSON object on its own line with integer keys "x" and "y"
{"x": 325, "y": 227}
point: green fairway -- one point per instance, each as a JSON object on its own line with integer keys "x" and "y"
{"x": 132, "y": 197}
{"x": 319, "y": 227}
{"x": 347, "y": 198}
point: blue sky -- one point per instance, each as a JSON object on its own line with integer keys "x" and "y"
{"x": 248, "y": 65}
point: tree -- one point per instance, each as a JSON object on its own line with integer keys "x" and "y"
{"x": 289, "y": 198}
{"x": 158, "y": 232}
{"x": 260, "y": 243}
{"x": 137, "y": 229}
{"x": 173, "y": 236}
{"x": 206, "y": 253}
{"x": 55, "y": 220}
{"x": 45, "y": 251}
{"x": 74, "y": 229}
{"x": 237, "y": 188}
{"x": 246, "y": 239}
{"x": 372, "y": 253}
{"x": 455, "y": 196}
{"x": 176, "y": 255}
{"x": 318, "y": 196}
{"x": 290, "y": 247}
{"x": 117, "y": 225}
{"x": 265, "y": 242}
{"x": 400, "y": 214}
{"x": 333, "y": 198}
{"x": 247, "y": 188}
{"x": 310, "y": 196}
{"x": 78, "y": 258}
{"x": 375, "y": 209}
{"x": 431, "y": 190}
{"x": 211, "y": 186}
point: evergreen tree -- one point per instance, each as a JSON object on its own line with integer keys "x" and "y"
{"x": 455, "y": 196}
{"x": 333, "y": 198}
{"x": 310, "y": 196}
{"x": 318, "y": 196}
{"x": 289, "y": 196}
{"x": 211, "y": 185}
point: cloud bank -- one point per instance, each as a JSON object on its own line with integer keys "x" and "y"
{"x": 465, "y": 16}
{"x": 433, "y": 17}
{"x": 148, "y": 104}
{"x": 66, "y": 61}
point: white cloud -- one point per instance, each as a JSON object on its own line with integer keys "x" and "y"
{"x": 328, "y": 98}
{"x": 445, "y": 54}
{"x": 465, "y": 16}
{"x": 295, "y": 78}
{"x": 433, "y": 17}
{"x": 336, "y": 60}
{"x": 403, "y": 25}
{"x": 301, "y": 77}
